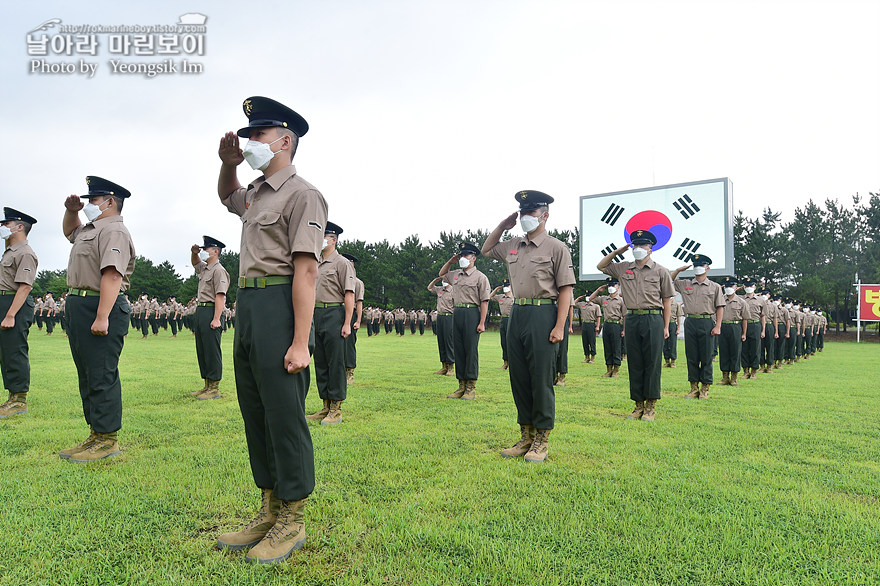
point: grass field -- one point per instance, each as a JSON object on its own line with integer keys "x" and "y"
{"x": 774, "y": 482}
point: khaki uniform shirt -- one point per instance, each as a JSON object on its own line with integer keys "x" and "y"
{"x": 756, "y": 307}
{"x": 676, "y": 311}
{"x": 18, "y": 265}
{"x": 736, "y": 309}
{"x": 335, "y": 278}
{"x": 505, "y": 302}
{"x": 613, "y": 308}
{"x": 412, "y": 315}
{"x": 96, "y": 246}
{"x": 399, "y": 315}
{"x": 358, "y": 291}
{"x": 445, "y": 300}
{"x": 50, "y": 306}
{"x": 537, "y": 268}
{"x": 422, "y": 316}
{"x": 642, "y": 288}
{"x": 213, "y": 280}
{"x": 280, "y": 216}
{"x": 701, "y": 298}
{"x": 38, "y": 306}
{"x": 434, "y": 316}
{"x": 589, "y": 311}
{"x": 470, "y": 286}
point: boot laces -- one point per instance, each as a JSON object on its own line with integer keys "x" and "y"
{"x": 283, "y": 521}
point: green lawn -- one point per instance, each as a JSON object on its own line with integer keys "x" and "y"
{"x": 774, "y": 482}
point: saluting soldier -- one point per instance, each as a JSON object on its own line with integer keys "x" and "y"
{"x": 38, "y": 312}
{"x": 647, "y": 292}
{"x": 421, "y": 317}
{"x": 101, "y": 262}
{"x": 18, "y": 270}
{"x": 412, "y": 317}
{"x": 209, "y": 316}
{"x": 613, "y": 318}
{"x": 751, "y": 349}
{"x": 505, "y": 302}
{"x": 734, "y": 325}
{"x": 541, "y": 277}
{"x": 49, "y": 309}
{"x": 591, "y": 320}
{"x": 703, "y": 302}
{"x": 283, "y": 220}
{"x": 770, "y": 333}
{"x": 399, "y": 321}
{"x": 445, "y": 307}
{"x": 670, "y": 345}
{"x": 334, "y": 306}
{"x": 356, "y": 317}
{"x": 471, "y": 293}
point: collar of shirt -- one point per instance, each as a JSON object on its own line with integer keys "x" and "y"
{"x": 105, "y": 221}
{"x": 469, "y": 271}
{"x": 704, "y": 282}
{"x": 16, "y": 246}
{"x": 277, "y": 179}
{"x": 649, "y": 264}
{"x": 332, "y": 256}
{"x": 537, "y": 240}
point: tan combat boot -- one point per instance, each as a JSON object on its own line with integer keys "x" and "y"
{"x": 777, "y": 365}
{"x": 540, "y": 447}
{"x": 287, "y": 535}
{"x": 672, "y": 363}
{"x": 103, "y": 446}
{"x": 725, "y": 378}
{"x": 704, "y": 391}
{"x": 505, "y": 366}
{"x": 255, "y": 529}
{"x": 334, "y": 416}
{"x": 213, "y": 391}
{"x": 15, "y": 405}
{"x": 470, "y": 390}
{"x": 608, "y": 372}
{"x": 615, "y": 371}
{"x": 638, "y": 411}
{"x": 586, "y": 360}
{"x": 66, "y": 453}
{"x": 443, "y": 369}
{"x": 695, "y": 390}
{"x": 450, "y": 369}
{"x": 201, "y": 390}
{"x": 666, "y": 363}
{"x": 592, "y": 359}
{"x": 349, "y": 376}
{"x": 520, "y": 448}
{"x": 457, "y": 394}
{"x": 648, "y": 415}
{"x": 560, "y": 379}
{"x": 319, "y": 415}
{"x": 733, "y": 376}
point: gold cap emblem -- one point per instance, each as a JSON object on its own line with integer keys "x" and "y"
{"x": 248, "y": 107}
{"x": 639, "y": 233}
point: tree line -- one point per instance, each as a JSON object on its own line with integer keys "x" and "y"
{"x": 814, "y": 257}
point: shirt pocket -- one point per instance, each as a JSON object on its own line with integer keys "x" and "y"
{"x": 85, "y": 243}
{"x": 542, "y": 267}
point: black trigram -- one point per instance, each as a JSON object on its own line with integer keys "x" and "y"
{"x": 686, "y": 206}
{"x": 686, "y": 250}
{"x": 611, "y": 248}
{"x": 612, "y": 214}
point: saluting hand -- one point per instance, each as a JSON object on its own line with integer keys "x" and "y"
{"x": 230, "y": 152}
{"x": 509, "y": 222}
{"x": 684, "y": 268}
{"x": 73, "y": 203}
{"x": 296, "y": 359}
{"x": 195, "y": 249}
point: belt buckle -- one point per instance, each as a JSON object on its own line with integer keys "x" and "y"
{"x": 242, "y": 282}
{"x": 260, "y": 283}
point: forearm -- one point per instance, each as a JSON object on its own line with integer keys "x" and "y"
{"x": 349, "y": 306}
{"x": 228, "y": 182}
{"x": 70, "y": 223}
{"x": 609, "y": 258}
{"x": 21, "y": 295}
{"x": 493, "y": 239}
{"x": 219, "y": 305}
{"x": 359, "y": 309}
{"x": 484, "y": 309}
{"x": 303, "y": 294}
{"x": 563, "y": 305}
{"x": 667, "y": 310}
{"x": 445, "y": 268}
{"x": 110, "y": 281}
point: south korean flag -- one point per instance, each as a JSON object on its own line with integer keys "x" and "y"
{"x": 686, "y": 218}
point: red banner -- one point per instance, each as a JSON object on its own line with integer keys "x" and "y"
{"x": 869, "y": 302}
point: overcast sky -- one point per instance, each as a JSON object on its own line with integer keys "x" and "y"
{"x": 429, "y": 116}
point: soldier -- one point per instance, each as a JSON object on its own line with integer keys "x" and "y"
{"x": 809, "y": 325}
{"x": 541, "y": 276}
{"x": 471, "y": 294}
{"x": 670, "y": 345}
{"x": 770, "y": 333}
{"x": 751, "y": 348}
{"x": 562, "y": 348}
{"x": 798, "y": 317}
{"x": 370, "y": 314}
{"x": 283, "y": 221}
{"x": 174, "y": 314}
{"x": 734, "y": 326}
{"x": 101, "y": 263}
{"x": 647, "y": 292}
{"x": 783, "y": 323}
{"x": 17, "y": 273}
{"x": 421, "y": 317}
{"x": 445, "y": 306}
{"x": 357, "y": 316}
{"x": 412, "y": 318}
{"x": 209, "y": 318}
{"x": 505, "y": 302}
{"x": 49, "y": 308}
{"x": 399, "y": 321}
{"x": 62, "y": 319}
{"x": 613, "y": 316}
{"x": 38, "y": 312}
{"x": 591, "y": 317}
{"x": 334, "y": 306}
{"x": 388, "y": 319}
{"x": 820, "y": 336}
{"x": 703, "y": 300}
{"x": 433, "y": 316}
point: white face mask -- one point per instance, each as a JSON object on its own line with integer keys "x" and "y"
{"x": 258, "y": 154}
{"x": 464, "y": 262}
{"x": 612, "y": 289}
{"x": 444, "y": 283}
{"x": 529, "y": 223}
{"x": 766, "y": 297}
{"x": 92, "y": 211}
{"x": 203, "y": 255}
{"x": 750, "y": 290}
{"x": 5, "y": 232}
{"x": 700, "y": 270}
{"x": 325, "y": 245}
{"x": 639, "y": 253}
{"x": 777, "y": 302}
{"x": 729, "y": 290}
{"x": 506, "y": 289}
{"x": 788, "y": 305}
